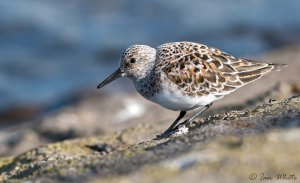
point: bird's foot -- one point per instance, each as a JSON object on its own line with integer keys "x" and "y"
{"x": 166, "y": 134}
{"x": 181, "y": 129}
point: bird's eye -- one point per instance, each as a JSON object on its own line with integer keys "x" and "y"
{"x": 132, "y": 61}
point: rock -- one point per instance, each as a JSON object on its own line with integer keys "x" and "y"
{"x": 236, "y": 146}
{"x": 18, "y": 140}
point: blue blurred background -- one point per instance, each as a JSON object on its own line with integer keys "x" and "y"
{"x": 51, "y": 49}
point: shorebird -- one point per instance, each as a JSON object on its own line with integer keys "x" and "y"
{"x": 184, "y": 76}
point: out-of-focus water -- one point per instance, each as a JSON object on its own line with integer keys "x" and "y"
{"x": 51, "y": 48}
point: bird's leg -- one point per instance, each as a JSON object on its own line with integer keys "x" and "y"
{"x": 191, "y": 119}
{"x": 181, "y": 115}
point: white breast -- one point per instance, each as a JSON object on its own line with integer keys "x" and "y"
{"x": 178, "y": 102}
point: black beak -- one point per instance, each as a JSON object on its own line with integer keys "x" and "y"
{"x": 118, "y": 73}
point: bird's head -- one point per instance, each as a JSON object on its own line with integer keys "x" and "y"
{"x": 136, "y": 63}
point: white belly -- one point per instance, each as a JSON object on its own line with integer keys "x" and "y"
{"x": 178, "y": 102}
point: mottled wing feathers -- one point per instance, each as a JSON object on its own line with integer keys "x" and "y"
{"x": 200, "y": 70}
{"x": 249, "y": 70}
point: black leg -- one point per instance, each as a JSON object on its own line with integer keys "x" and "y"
{"x": 181, "y": 115}
{"x": 203, "y": 109}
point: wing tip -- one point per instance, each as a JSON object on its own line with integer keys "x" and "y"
{"x": 278, "y": 67}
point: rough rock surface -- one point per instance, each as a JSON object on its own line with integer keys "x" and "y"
{"x": 229, "y": 147}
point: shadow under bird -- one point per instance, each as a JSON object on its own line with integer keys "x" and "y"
{"x": 184, "y": 76}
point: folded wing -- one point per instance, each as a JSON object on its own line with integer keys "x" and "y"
{"x": 201, "y": 70}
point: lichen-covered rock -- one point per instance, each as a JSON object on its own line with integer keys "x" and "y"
{"x": 224, "y": 147}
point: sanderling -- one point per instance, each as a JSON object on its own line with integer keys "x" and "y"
{"x": 183, "y": 76}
